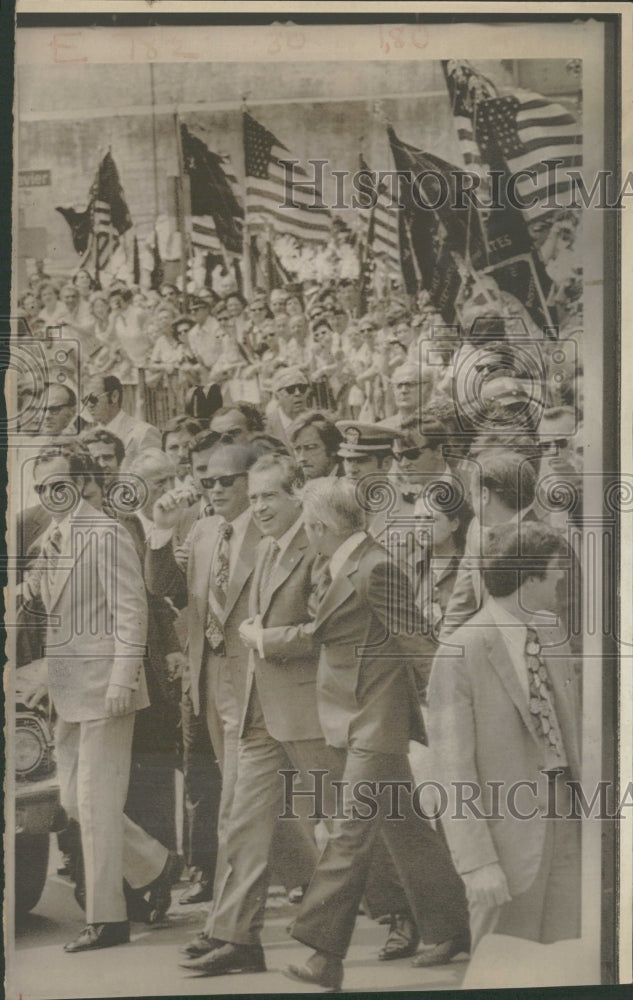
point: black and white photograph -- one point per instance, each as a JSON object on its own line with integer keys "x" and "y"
{"x": 319, "y": 519}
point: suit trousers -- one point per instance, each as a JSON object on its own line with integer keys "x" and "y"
{"x": 203, "y": 788}
{"x": 550, "y": 909}
{"x": 255, "y": 824}
{"x": 434, "y": 890}
{"x": 93, "y": 767}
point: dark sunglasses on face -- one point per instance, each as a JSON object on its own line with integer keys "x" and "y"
{"x": 208, "y": 482}
{"x": 295, "y": 390}
{"x": 58, "y": 408}
{"x": 92, "y": 398}
{"x": 554, "y": 444}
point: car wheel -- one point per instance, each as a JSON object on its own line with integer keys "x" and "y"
{"x": 31, "y": 866}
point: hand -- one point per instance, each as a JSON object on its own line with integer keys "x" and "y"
{"x": 118, "y": 700}
{"x": 168, "y": 507}
{"x": 249, "y": 632}
{"x": 487, "y": 886}
{"x": 33, "y": 694}
{"x": 176, "y": 663}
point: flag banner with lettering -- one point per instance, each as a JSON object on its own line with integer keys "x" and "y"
{"x": 217, "y": 216}
{"x": 445, "y": 239}
{"x": 271, "y": 201}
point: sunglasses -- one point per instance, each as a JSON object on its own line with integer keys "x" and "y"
{"x": 208, "y": 482}
{"x": 60, "y": 484}
{"x": 295, "y": 390}
{"x": 410, "y": 454}
{"x": 93, "y": 398}
{"x": 555, "y": 443}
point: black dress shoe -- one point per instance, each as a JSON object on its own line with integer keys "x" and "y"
{"x": 202, "y": 944}
{"x": 199, "y": 892}
{"x": 320, "y": 970}
{"x": 402, "y": 940}
{"x": 226, "y": 959}
{"x": 442, "y": 953}
{"x": 160, "y": 889}
{"x": 100, "y": 936}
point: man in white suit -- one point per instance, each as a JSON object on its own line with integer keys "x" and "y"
{"x": 504, "y": 718}
{"x": 90, "y": 582}
{"x": 102, "y": 400}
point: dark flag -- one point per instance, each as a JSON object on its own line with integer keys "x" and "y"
{"x": 79, "y": 223}
{"x": 443, "y": 237}
{"x": 217, "y": 213}
{"x": 157, "y": 275}
{"x": 136, "y": 264}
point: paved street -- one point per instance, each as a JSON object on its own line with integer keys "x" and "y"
{"x": 149, "y": 964}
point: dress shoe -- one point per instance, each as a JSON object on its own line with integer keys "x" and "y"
{"x": 296, "y": 895}
{"x": 441, "y": 954}
{"x": 160, "y": 889}
{"x": 402, "y": 940}
{"x": 199, "y": 892}
{"x": 100, "y": 936}
{"x": 226, "y": 959}
{"x": 202, "y": 944}
{"x": 320, "y": 970}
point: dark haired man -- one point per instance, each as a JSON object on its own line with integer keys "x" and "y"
{"x": 103, "y": 399}
{"x": 315, "y": 441}
{"x": 503, "y": 715}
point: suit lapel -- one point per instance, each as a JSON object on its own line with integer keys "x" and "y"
{"x": 342, "y": 587}
{"x": 246, "y": 558}
{"x": 500, "y": 659}
{"x": 83, "y": 518}
{"x": 290, "y": 559}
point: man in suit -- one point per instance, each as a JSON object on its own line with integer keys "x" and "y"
{"x": 221, "y": 554}
{"x": 290, "y": 386}
{"x": 369, "y": 711}
{"x": 279, "y": 725}
{"x": 60, "y": 411}
{"x": 102, "y": 400}
{"x": 504, "y": 714}
{"x": 412, "y": 389}
{"x": 90, "y": 583}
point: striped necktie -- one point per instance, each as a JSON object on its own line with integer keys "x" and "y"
{"x": 218, "y": 586}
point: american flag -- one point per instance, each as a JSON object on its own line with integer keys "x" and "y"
{"x": 202, "y": 228}
{"x": 266, "y": 191}
{"x": 521, "y": 131}
{"x": 380, "y": 224}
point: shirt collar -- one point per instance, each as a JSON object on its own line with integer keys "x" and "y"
{"x": 283, "y": 543}
{"x": 344, "y": 551}
{"x": 116, "y": 422}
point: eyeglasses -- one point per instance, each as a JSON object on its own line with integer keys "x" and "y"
{"x": 295, "y": 390}
{"x": 556, "y": 444}
{"x": 93, "y": 398}
{"x": 405, "y": 385}
{"x": 208, "y": 482}
{"x": 60, "y": 484}
{"x": 410, "y": 454}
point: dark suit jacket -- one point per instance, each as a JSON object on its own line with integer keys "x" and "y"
{"x": 164, "y": 578}
{"x": 365, "y": 683}
{"x": 286, "y": 676}
{"x": 481, "y": 731}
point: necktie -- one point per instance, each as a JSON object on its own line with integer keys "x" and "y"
{"x": 267, "y": 573}
{"x": 541, "y": 705}
{"x": 323, "y": 584}
{"x": 218, "y": 587}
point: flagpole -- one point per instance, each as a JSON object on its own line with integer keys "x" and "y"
{"x": 246, "y": 242}
{"x": 181, "y": 212}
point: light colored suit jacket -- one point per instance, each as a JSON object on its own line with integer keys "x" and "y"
{"x": 286, "y": 676}
{"x": 137, "y": 435}
{"x": 480, "y": 730}
{"x": 165, "y": 579}
{"x": 97, "y": 618}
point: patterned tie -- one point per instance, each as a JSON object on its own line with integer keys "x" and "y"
{"x": 218, "y": 587}
{"x": 323, "y": 584}
{"x": 267, "y": 573}
{"x": 541, "y": 704}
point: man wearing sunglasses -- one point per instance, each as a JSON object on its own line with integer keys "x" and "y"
{"x": 291, "y": 389}
{"x": 102, "y": 399}
{"x": 60, "y": 411}
{"x": 214, "y": 586}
